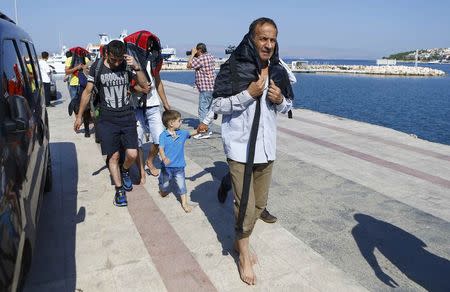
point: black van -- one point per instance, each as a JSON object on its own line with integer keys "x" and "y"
{"x": 25, "y": 166}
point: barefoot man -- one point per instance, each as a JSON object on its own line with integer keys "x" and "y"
{"x": 250, "y": 89}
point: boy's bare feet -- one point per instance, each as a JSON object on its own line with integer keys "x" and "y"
{"x": 186, "y": 208}
{"x": 185, "y": 203}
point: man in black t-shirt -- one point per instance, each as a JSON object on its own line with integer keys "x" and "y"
{"x": 116, "y": 125}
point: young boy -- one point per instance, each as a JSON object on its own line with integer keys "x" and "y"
{"x": 171, "y": 152}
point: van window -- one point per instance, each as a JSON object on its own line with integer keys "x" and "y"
{"x": 35, "y": 61}
{"x": 12, "y": 76}
{"x": 29, "y": 66}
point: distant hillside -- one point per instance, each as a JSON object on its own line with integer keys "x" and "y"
{"x": 426, "y": 55}
{"x": 401, "y": 56}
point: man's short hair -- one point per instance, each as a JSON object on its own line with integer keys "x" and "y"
{"x": 116, "y": 48}
{"x": 258, "y": 22}
{"x": 201, "y": 47}
{"x": 170, "y": 115}
{"x": 44, "y": 55}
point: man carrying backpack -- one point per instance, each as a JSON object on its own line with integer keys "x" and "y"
{"x": 251, "y": 88}
{"x": 72, "y": 69}
{"x": 148, "y": 115}
{"x": 117, "y": 122}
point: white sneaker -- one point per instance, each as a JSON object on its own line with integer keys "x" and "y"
{"x": 203, "y": 135}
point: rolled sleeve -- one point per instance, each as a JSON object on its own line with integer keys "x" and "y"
{"x": 209, "y": 117}
{"x": 235, "y": 103}
{"x": 284, "y": 106}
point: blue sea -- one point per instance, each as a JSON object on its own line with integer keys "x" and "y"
{"x": 414, "y": 105}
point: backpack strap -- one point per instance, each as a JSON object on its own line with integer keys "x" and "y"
{"x": 72, "y": 62}
{"x": 95, "y": 90}
{"x": 138, "y": 38}
{"x": 97, "y": 70}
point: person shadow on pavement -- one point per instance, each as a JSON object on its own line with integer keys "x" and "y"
{"x": 53, "y": 265}
{"x": 220, "y": 216}
{"x": 191, "y": 122}
{"x": 407, "y": 252}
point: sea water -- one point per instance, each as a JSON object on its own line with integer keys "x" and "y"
{"x": 414, "y": 105}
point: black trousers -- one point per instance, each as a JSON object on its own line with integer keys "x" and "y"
{"x": 47, "y": 93}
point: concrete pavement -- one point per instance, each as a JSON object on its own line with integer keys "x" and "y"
{"x": 360, "y": 207}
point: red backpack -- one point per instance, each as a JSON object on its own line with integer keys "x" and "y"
{"x": 144, "y": 46}
{"x": 78, "y": 57}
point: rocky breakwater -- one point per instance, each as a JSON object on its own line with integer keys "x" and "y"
{"x": 375, "y": 70}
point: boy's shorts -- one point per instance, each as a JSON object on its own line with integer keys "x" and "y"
{"x": 151, "y": 123}
{"x": 116, "y": 132}
{"x": 176, "y": 175}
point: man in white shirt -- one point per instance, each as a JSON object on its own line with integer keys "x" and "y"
{"x": 148, "y": 117}
{"x": 248, "y": 145}
{"x": 45, "y": 73}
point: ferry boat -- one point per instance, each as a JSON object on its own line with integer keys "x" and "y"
{"x": 58, "y": 61}
{"x": 94, "y": 49}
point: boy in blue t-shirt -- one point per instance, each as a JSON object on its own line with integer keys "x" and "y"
{"x": 171, "y": 151}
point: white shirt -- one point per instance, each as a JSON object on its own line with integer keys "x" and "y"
{"x": 238, "y": 112}
{"x": 152, "y": 96}
{"x": 45, "y": 71}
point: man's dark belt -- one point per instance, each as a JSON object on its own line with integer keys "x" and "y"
{"x": 147, "y": 107}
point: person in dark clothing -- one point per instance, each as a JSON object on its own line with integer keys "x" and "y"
{"x": 117, "y": 122}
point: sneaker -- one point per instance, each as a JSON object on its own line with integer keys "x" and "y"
{"x": 267, "y": 217}
{"x": 126, "y": 181}
{"x": 120, "y": 198}
{"x": 203, "y": 135}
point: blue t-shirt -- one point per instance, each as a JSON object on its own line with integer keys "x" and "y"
{"x": 174, "y": 147}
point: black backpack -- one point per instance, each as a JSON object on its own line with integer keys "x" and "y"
{"x": 74, "y": 104}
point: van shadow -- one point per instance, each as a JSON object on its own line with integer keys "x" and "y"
{"x": 54, "y": 265}
{"x": 407, "y": 252}
{"x": 220, "y": 216}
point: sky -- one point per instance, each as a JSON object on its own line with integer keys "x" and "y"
{"x": 327, "y": 29}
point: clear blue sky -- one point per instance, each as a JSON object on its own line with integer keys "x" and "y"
{"x": 310, "y": 29}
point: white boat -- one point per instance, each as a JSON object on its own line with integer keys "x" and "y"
{"x": 168, "y": 53}
{"x": 58, "y": 61}
{"x": 94, "y": 49}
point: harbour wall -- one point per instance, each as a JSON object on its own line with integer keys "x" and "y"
{"x": 347, "y": 69}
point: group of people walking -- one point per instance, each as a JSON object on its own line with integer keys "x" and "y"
{"x": 251, "y": 88}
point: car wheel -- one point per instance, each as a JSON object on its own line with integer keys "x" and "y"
{"x": 49, "y": 176}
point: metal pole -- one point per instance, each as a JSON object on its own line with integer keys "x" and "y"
{"x": 15, "y": 8}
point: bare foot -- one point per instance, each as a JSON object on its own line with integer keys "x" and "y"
{"x": 253, "y": 256}
{"x": 246, "y": 270}
{"x": 142, "y": 182}
{"x": 163, "y": 194}
{"x": 186, "y": 208}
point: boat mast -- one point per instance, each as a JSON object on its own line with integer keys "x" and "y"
{"x": 15, "y": 9}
